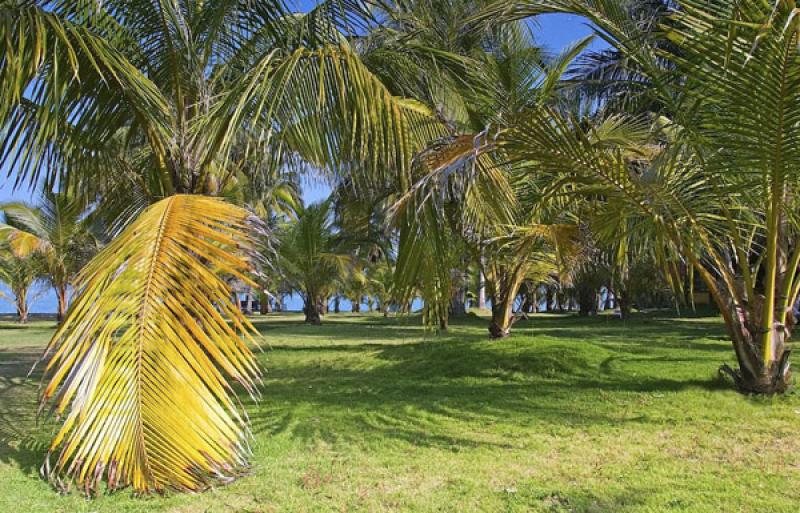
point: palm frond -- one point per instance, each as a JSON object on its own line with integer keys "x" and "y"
{"x": 64, "y": 88}
{"x": 138, "y": 368}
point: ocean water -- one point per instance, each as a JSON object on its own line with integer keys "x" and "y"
{"x": 42, "y": 300}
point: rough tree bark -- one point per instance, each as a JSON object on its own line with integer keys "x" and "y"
{"x": 759, "y": 372}
{"x": 311, "y": 311}
{"x": 624, "y": 305}
{"x": 21, "y": 297}
{"x": 587, "y": 303}
{"x": 758, "y": 317}
{"x": 264, "y": 304}
{"x": 458, "y": 304}
{"x": 61, "y": 297}
{"x": 503, "y": 291}
{"x": 529, "y": 299}
{"x": 481, "y": 290}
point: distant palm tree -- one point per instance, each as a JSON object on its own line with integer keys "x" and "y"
{"x": 354, "y": 286}
{"x": 313, "y": 258}
{"x": 20, "y": 274}
{"x": 59, "y": 231}
{"x": 381, "y": 285}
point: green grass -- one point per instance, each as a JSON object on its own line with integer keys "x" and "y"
{"x": 367, "y": 414}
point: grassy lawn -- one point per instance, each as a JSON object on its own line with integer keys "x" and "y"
{"x": 369, "y": 414}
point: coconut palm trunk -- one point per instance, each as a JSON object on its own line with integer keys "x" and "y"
{"x": 503, "y": 291}
{"x": 311, "y": 310}
{"x": 623, "y": 303}
{"x": 458, "y": 304}
{"x": 481, "y": 291}
{"x": 62, "y": 299}
{"x": 502, "y": 315}
{"x": 264, "y": 303}
{"x": 761, "y": 327}
{"x": 21, "y": 299}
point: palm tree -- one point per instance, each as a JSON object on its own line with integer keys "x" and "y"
{"x": 381, "y": 285}
{"x": 608, "y": 78}
{"x": 465, "y": 192}
{"x": 355, "y": 286}
{"x": 721, "y": 189}
{"x": 20, "y": 274}
{"x": 312, "y": 257}
{"x": 155, "y": 107}
{"x": 535, "y": 253}
{"x": 59, "y": 230}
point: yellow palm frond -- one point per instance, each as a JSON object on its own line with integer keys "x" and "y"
{"x": 140, "y": 367}
{"x": 22, "y": 243}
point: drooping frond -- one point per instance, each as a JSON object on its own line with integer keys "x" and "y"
{"x": 140, "y": 367}
{"x": 64, "y": 91}
{"x": 328, "y": 107}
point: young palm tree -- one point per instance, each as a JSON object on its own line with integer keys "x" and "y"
{"x": 381, "y": 285}
{"x": 155, "y": 106}
{"x": 354, "y": 286}
{"x": 535, "y": 253}
{"x": 20, "y": 274}
{"x": 465, "y": 192}
{"x": 312, "y": 258}
{"x": 59, "y": 231}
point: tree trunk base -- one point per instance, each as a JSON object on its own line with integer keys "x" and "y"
{"x": 497, "y": 331}
{"x": 312, "y": 316}
{"x": 773, "y": 381}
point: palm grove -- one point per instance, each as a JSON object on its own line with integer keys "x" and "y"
{"x": 169, "y": 140}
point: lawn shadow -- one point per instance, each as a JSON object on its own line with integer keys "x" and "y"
{"x": 22, "y": 437}
{"x": 371, "y": 379}
{"x": 405, "y": 392}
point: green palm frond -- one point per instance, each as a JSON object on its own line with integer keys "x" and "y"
{"x": 312, "y": 256}
{"x": 49, "y": 67}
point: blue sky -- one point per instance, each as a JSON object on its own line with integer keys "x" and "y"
{"x": 552, "y": 31}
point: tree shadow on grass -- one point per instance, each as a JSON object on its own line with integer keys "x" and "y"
{"x": 643, "y": 334}
{"x": 371, "y": 392}
{"x": 409, "y": 392}
{"x": 23, "y": 439}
